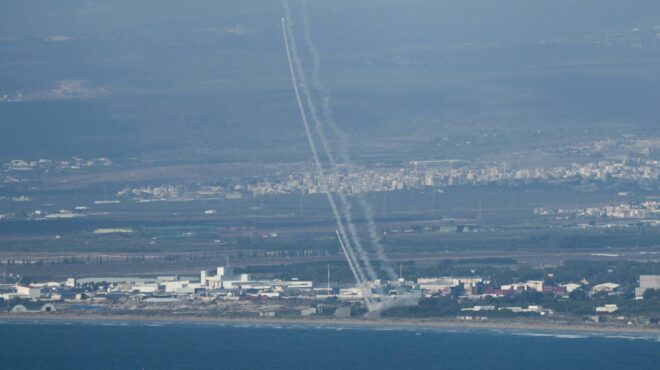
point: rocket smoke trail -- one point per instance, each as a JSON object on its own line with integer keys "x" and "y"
{"x": 350, "y": 261}
{"x": 342, "y": 142}
{"x": 343, "y": 201}
{"x": 341, "y": 230}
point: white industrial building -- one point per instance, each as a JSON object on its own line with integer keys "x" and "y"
{"x": 180, "y": 286}
{"x": 647, "y": 282}
{"x": 22, "y": 292}
{"x": 605, "y": 287}
{"x": 224, "y": 278}
{"x": 437, "y": 285}
{"x": 536, "y": 285}
{"x": 608, "y": 308}
{"x": 570, "y": 287}
{"x": 28, "y": 291}
{"x": 350, "y": 294}
{"x": 515, "y": 286}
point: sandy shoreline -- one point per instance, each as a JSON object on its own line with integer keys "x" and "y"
{"x": 422, "y": 324}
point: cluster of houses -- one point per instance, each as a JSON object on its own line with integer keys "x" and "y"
{"x": 477, "y": 288}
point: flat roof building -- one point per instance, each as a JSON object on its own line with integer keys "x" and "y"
{"x": 647, "y": 282}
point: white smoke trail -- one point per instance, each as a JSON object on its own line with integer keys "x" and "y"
{"x": 343, "y": 201}
{"x": 341, "y": 230}
{"x": 350, "y": 261}
{"x": 320, "y": 87}
{"x": 386, "y": 265}
{"x": 342, "y": 141}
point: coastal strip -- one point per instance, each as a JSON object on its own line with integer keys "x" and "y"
{"x": 380, "y": 323}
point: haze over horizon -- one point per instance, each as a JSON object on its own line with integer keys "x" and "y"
{"x": 207, "y": 82}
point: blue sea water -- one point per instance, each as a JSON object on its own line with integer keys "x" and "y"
{"x": 112, "y": 345}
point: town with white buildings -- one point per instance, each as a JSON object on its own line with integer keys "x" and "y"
{"x": 223, "y": 293}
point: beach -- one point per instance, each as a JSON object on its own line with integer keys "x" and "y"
{"x": 418, "y": 324}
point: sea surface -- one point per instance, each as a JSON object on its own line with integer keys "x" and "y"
{"x": 124, "y": 345}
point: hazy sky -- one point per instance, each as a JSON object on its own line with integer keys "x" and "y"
{"x": 129, "y": 77}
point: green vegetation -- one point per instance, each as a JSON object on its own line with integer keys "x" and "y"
{"x": 433, "y": 307}
{"x": 530, "y": 239}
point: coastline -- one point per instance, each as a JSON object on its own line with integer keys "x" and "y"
{"x": 380, "y": 323}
